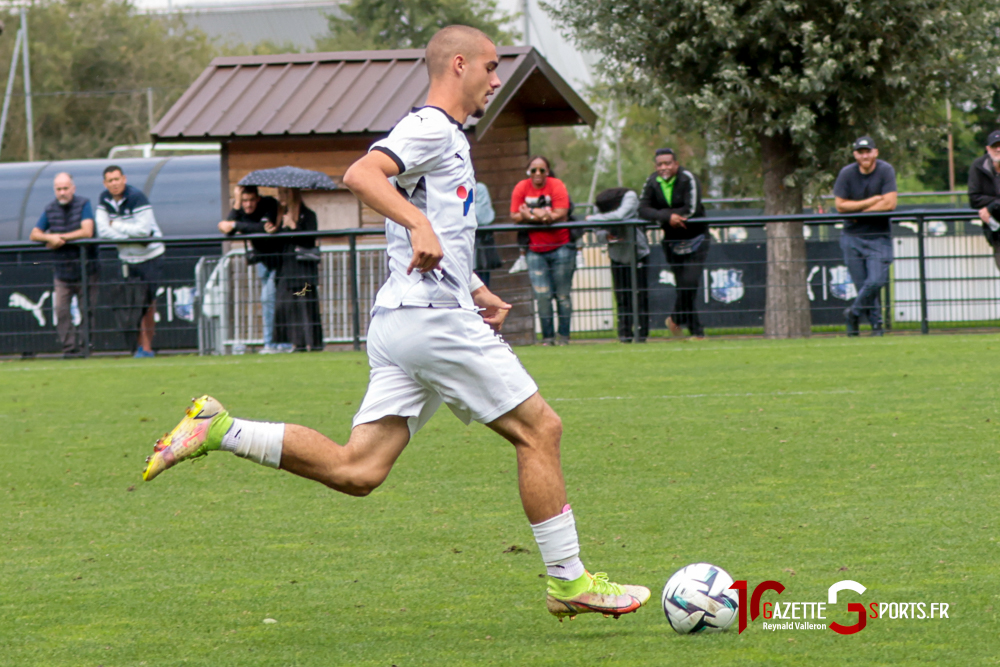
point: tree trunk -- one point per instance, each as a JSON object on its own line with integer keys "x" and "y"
{"x": 787, "y": 311}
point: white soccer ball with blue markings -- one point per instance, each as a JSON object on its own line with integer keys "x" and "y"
{"x": 697, "y": 598}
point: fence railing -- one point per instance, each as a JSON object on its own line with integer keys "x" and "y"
{"x": 209, "y": 299}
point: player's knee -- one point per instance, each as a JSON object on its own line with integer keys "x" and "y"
{"x": 551, "y": 427}
{"x": 358, "y": 488}
{"x": 357, "y": 481}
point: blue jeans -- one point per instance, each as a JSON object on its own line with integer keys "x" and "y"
{"x": 267, "y": 297}
{"x": 868, "y": 260}
{"x": 551, "y": 274}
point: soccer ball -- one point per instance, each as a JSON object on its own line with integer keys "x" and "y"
{"x": 697, "y": 598}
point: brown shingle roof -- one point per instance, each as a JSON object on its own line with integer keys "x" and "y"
{"x": 351, "y": 92}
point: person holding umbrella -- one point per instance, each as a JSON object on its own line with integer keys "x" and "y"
{"x": 297, "y": 315}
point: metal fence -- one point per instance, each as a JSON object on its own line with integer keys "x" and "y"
{"x": 231, "y": 308}
{"x": 944, "y": 273}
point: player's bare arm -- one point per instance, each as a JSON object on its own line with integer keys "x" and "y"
{"x": 368, "y": 180}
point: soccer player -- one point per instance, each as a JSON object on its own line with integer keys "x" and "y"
{"x": 432, "y": 337}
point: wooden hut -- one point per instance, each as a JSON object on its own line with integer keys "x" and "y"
{"x": 323, "y": 110}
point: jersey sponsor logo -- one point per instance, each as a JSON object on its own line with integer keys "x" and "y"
{"x": 468, "y": 196}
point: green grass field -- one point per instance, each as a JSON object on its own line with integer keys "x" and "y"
{"x": 807, "y": 462}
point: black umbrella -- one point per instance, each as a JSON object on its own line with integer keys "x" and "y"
{"x": 289, "y": 177}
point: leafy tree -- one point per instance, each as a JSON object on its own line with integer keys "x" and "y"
{"x": 409, "y": 24}
{"x": 734, "y": 172}
{"x": 970, "y": 127}
{"x": 91, "y": 62}
{"x": 799, "y": 81}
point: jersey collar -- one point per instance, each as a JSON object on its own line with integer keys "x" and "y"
{"x": 446, "y": 114}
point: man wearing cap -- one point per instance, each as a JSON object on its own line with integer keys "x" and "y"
{"x": 867, "y": 186}
{"x": 984, "y": 191}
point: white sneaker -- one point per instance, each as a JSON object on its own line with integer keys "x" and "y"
{"x": 520, "y": 265}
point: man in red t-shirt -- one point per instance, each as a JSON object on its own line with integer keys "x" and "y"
{"x": 541, "y": 200}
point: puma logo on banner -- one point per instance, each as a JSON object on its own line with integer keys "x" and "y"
{"x": 18, "y": 300}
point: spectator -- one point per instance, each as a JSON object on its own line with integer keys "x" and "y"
{"x": 297, "y": 316}
{"x": 487, "y": 256}
{"x": 672, "y": 197}
{"x": 124, "y": 214}
{"x": 68, "y": 218}
{"x": 984, "y": 191}
{"x": 623, "y": 204}
{"x": 866, "y": 186}
{"x": 259, "y": 215}
{"x": 541, "y": 200}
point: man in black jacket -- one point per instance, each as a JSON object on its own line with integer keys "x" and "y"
{"x": 254, "y": 214}
{"x": 672, "y": 197}
{"x": 984, "y": 191}
{"x": 68, "y": 218}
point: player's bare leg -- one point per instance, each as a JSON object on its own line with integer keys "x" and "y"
{"x": 535, "y": 430}
{"x": 356, "y": 468}
{"x": 364, "y": 462}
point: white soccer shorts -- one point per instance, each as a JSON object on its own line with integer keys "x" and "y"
{"x": 421, "y": 357}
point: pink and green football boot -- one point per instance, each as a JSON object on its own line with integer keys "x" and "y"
{"x": 200, "y": 432}
{"x": 593, "y": 593}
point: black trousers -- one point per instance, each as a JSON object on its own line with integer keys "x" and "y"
{"x": 296, "y": 315}
{"x": 621, "y": 278}
{"x": 687, "y": 272}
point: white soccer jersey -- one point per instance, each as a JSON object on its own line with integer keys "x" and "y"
{"x": 435, "y": 175}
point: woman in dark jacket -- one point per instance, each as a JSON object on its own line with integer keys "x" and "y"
{"x": 672, "y": 198}
{"x": 297, "y": 317}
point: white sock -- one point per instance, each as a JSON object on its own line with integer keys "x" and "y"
{"x": 559, "y": 546}
{"x": 258, "y": 441}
